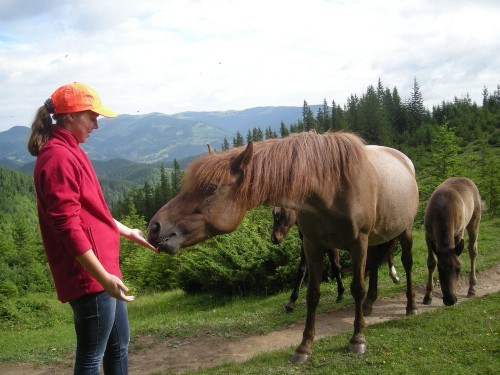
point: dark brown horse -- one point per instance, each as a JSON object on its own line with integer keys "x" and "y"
{"x": 453, "y": 207}
{"x": 348, "y": 196}
{"x": 283, "y": 220}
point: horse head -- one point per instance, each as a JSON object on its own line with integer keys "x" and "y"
{"x": 283, "y": 220}
{"x": 207, "y": 204}
{"x": 448, "y": 266}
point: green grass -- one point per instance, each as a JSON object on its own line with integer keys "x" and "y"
{"x": 444, "y": 341}
{"x": 44, "y": 332}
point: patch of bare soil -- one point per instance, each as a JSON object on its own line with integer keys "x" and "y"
{"x": 200, "y": 352}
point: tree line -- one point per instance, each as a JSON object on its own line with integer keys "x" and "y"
{"x": 449, "y": 140}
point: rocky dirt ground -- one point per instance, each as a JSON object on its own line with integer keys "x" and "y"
{"x": 200, "y": 352}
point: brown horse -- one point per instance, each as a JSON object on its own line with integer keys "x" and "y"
{"x": 283, "y": 220}
{"x": 348, "y": 195}
{"x": 453, "y": 207}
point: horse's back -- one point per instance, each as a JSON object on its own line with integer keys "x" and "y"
{"x": 457, "y": 196}
{"x": 397, "y": 197}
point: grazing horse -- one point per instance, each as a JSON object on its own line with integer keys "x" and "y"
{"x": 348, "y": 196}
{"x": 453, "y": 207}
{"x": 283, "y": 220}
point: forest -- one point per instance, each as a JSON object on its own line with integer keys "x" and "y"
{"x": 455, "y": 138}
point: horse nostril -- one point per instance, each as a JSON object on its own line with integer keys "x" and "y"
{"x": 154, "y": 230}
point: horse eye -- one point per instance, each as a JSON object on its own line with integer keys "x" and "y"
{"x": 211, "y": 189}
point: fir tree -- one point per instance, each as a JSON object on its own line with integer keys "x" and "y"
{"x": 416, "y": 107}
{"x": 238, "y": 140}
{"x": 284, "y": 132}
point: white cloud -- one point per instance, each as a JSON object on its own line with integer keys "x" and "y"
{"x": 172, "y": 56}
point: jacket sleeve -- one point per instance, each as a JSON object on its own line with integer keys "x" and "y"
{"x": 60, "y": 182}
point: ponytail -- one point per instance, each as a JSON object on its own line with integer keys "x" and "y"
{"x": 40, "y": 129}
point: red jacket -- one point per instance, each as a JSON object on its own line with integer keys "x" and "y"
{"x": 73, "y": 216}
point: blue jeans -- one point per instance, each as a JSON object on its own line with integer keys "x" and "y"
{"x": 102, "y": 333}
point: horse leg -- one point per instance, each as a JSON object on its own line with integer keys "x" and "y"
{"x": 333, "y": 254}
{"x": 406, "y": 241}
{"x": 301, "y": 274}
{"x": 375, "y": 257}
{"x": 473, "y": 231}
{"x": 392, "y": 270}
{"x": 357, "y": 343}
{"x": 314, "y": 257}
{"x": 431, "y": 266}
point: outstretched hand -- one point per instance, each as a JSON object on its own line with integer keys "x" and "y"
{"x": 134, "y": 235}
{"x": 116, "y": 288}
{"x": 137, "y": 236}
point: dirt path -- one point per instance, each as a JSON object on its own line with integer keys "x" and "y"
{"x": 192, "y": 353}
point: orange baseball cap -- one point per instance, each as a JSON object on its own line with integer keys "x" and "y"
{"x": 78, "y": 97}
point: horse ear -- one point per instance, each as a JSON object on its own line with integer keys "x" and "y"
{"x": 242, "y": 159}
{"x": 211, "y": 151}
{"x": 459, "y": 248}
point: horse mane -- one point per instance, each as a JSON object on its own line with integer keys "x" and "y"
{"x": 283, "y": 169}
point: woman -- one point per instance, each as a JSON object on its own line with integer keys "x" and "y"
{"x": 80, "y": 236}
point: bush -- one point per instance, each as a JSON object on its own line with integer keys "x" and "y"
{"x": 241, "y": 262}
{"x": 8, "y": 289}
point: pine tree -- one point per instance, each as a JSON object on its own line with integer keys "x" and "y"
{"x": 397, "y": 115}
{"x": 352, "y": 114}
{"x": 416, "y": 107}
{"x": 337, "y": 115}
{"x": 308, "y": 119}
{"x": 238, "y": 141}
{"x": 270, "y": 133}
{"x": 255, "y": 136}
{"x": 323, "y": 118}
{"x": 165, "y": 190}
{"x": 176, "y": 178}
{"x": 225, "y": 145}
{"x": 373, "y": 119}
{"x": 284, "y": 132}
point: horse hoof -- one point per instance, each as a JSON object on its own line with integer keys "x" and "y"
{"x": 357, "y": 344}
{"x": 427, "y": 300}
{"x": 471, "y": 293}
{"x": 411, "y": 311}
{"x": 288, "y": 308}
{"x": 299, "y": 358}
{"x": 339, "y": 298}
{"x": 357, "y": 348}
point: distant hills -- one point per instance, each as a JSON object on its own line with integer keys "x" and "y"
{"x": 156, "y": 137}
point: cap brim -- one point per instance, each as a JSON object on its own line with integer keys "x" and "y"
{"x": 104, "y": 111}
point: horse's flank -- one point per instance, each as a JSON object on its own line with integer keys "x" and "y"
{"x": 279, "y": 166}
{"x": 451, "y": 208}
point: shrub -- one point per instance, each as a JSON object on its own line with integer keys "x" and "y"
{"x": 241, "y": 262}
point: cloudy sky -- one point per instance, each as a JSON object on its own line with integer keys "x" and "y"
{"x": 215, "y": 55}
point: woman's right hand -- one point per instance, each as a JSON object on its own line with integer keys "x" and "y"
{"x": 111, "y": 283}
{"x": 116, "y": 288}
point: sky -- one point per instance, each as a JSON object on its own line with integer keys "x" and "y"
{"x": 217, "y": 55}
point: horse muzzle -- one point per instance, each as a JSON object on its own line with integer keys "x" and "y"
{"x": 449, "y": 300}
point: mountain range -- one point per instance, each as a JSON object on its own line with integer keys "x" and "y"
{"x": 157, "y": 137}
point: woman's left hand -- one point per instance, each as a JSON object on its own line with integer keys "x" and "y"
{"x": 137, "y": 236}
